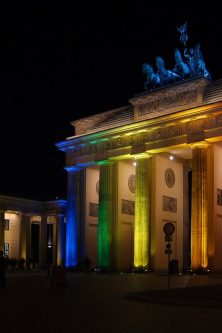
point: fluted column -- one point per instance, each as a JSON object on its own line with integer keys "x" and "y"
{"x": 28, "y": 238}
{"x": 142, "y": 213}
{"x": 72, "y": 254}
{"x": 2, "y": 229}
{"x": 43, "y": 242}
{"x": 54, "y": 243}
{"x": 199, "y": 214}
{"x": 60, "y": 240}
{"x": 186, "y": 219}
{"x": 105, "y": 215}
{"x": 24, "y": 234}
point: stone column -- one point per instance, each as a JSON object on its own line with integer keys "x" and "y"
{"x": 105, "y": 215}
{"x": 24, "y": 234}
{"x": 2, "y": 230}
{"x": 54, "y": 243}
{"x": 72, "y": 222}
{"x": 186, "y": 218}
{"x": 43, "y": 242}
{"x": 142, "y": 213}
{"x": 82, "y": 216}
{"x": 199, "y": 214}
{"x": 60, "y": 240}
{"x": 28, "y": 237}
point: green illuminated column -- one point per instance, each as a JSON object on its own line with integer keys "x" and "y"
{"x": 142, "y": 212}
{"x": 2, "y": 230}
{"x": 105, "y": 215}
{"x": 199, "y": 229}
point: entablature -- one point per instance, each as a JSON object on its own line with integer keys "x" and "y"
{"x": 181, "y": 127}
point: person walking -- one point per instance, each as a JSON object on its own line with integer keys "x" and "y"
{"x": 87, "y": 264}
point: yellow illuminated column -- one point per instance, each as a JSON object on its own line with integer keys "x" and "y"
{"x": 199, "y": 229}
{"x": 142, "y": 212}
{"x": 2, "y": 230}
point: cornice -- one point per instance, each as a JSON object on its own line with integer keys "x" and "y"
{"x": 148, "y": 124}
{"x": 27, "y": 206}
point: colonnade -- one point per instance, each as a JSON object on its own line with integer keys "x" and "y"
{"x": 24, "y": 238}
{"x": 142, "y": 234}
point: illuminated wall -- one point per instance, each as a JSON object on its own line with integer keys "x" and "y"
{"x": 12, "y": 235}
{"x": 215, "y": 249}
{"x": 91, "y": 223}
{"x": 125, "y": 234}
{"x": 171, "y": 213}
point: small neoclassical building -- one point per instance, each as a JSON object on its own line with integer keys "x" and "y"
{"x": 134, "y": 169}
{"x": 33, "y": 230}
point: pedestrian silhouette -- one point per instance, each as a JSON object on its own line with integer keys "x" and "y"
{"x": 87, "y": 264}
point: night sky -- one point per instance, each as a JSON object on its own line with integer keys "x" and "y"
{"x": 61, "y": 63}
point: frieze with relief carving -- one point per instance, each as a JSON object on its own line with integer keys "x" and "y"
{"x": 177, "y": 100}
{"x": 147, "y": 137}
{"x": 125, "y": 141}
{"x": 172, "y": 99}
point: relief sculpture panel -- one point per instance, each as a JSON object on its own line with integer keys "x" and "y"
{"x": 169, "y": 204}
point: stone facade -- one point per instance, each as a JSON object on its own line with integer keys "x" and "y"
{"x": 27, "y": 234}
{"x": 176, "y": 127}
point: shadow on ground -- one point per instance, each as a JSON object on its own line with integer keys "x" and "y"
{"x": 209, "y": 296}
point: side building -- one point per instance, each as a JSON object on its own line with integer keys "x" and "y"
{"x": 134, "y": 169}
{"x": 33, "y": 230}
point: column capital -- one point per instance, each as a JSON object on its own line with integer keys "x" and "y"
{"x": 60, "y": 215}
{"x": 142, "y": 156}
{"x": 200, "y": 144}
{"x": 72, "y": 168}
{"x": 106, "y": 162}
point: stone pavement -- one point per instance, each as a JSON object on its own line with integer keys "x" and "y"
{"x": 205, "y": 296}
{"x": 111, "y": 303}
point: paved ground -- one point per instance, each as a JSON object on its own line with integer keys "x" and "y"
{"x": 111, "y": 303}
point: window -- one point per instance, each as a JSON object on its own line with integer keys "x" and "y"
{"x": 6, "y": 224}
{"x": 6, "y": 249}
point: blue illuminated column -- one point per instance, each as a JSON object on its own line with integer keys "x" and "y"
{"x": 72, "y": 219}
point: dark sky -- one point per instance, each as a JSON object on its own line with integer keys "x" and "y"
{"x": 62, "y": 62}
